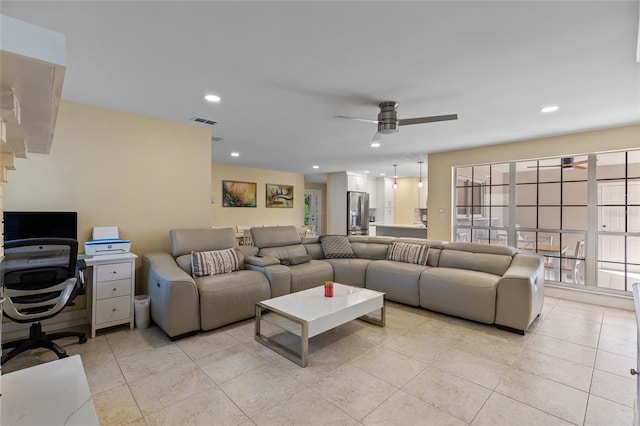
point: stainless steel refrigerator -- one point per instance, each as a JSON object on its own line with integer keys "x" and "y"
{"x": 357, "y": 213}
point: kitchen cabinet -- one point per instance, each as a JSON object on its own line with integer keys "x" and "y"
{"x": 373, "y": 192}
{"x": 389, "y": 194}
{"x": 388, "y": 216}
{"x": 356, "y": 183}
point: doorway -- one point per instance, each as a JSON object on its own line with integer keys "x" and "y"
{"x": 313, "y": 209}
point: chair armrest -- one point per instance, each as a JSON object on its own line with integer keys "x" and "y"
{"x": 261, "y": 260}
{"x": 520, "y": 292}
{"x": 175, "y": 301}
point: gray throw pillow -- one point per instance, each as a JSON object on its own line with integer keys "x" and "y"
{"x": 336, "y": 247}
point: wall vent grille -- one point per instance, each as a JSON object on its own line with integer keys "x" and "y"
{"x": 203, "y": 120}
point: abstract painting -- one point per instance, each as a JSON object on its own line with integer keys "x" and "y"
{"x": 279, "y": 195}
{"x": 238, "y": 194}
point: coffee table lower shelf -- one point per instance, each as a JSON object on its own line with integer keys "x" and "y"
{"x": 308, "y": 313}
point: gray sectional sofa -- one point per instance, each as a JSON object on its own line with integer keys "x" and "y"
{"x": 481, "y": 282}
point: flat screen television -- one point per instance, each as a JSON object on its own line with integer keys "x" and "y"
{"x": 20, "y": 225}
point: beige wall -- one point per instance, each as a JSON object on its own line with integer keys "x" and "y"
{"x": 408, "y": 197}
{"x": 260, "y": 215}
{"x": 143, "y": 175}
{"x": 440, "y": 164}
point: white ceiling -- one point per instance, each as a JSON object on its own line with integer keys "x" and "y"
{"x": 285, "y": 69}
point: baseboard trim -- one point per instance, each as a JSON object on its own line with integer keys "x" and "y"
{"x": 586, "y": 296}
{"x": 14, "y": 330}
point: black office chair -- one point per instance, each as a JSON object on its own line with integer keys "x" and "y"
{"x": 39, "y": 280}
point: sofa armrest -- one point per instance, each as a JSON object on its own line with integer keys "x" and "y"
{"x": 279, "y": 277}
{"x": 520, "y": 292}
{"x": 175, "y": 304}
{"x": 261, "y": 261}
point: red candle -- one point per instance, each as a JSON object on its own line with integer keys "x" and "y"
{"x": 328, "y": 289}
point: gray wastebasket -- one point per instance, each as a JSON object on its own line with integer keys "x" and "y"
{"x": 142, "y": 310}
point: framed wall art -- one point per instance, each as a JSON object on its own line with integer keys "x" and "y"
{"x": 279, "y": 195}
{"x": 238, "y": 194}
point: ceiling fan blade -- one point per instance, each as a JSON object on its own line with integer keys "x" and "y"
{"x": 432, "y": 119}
{"x": 377, "y": 137}
{"x": 366, "y": 120}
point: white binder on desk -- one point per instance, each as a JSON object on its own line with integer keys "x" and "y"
{"x": 106, "y": 240}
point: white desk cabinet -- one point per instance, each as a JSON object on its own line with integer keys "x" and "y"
{"x": 111, "y": 290}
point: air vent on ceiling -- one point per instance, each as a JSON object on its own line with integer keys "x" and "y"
{"x": 216, "y": 138}
{"x": 203, "y": 120}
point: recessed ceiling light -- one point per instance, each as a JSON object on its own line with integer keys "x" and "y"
{"x": 375, "y": 144}
{"x": 235, "y": 154}
{"x": 550, "y": 108}
{"x": 382, "y": 174}
{"x": 316, "y": 166}
{"x": 366, "y": 171}
{"x": 212, "y": 98}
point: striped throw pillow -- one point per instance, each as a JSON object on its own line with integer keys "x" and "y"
{"x": 408, "y": 253}
{"x": 215, "y": 262}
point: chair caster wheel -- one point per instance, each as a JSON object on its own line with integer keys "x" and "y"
{"x": 83, "y": 339}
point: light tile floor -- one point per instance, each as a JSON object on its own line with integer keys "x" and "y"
{"x": 422, "y": 368}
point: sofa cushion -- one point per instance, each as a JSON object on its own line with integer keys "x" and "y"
{"x": 408, "y": 253}
{"x": 284, "y": 251}
{"x": 311, "y": 274}
{"x": 350, "y": 271}
{"x": 232, "y": 297}
{"x": 496, "y": 264}
{"x": 399, "y": 281}
{"x": 460, "y": 292}
{"x": 370, "y": 247}
{"x": 275, "y": 236}
{"x": 215, "y": 262}
{"x": 184, "y": 241}
{"x": 336, "y": 247}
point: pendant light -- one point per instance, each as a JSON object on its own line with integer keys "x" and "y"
{"x": 395, "y": 176}
{"x": 420, "y": 181}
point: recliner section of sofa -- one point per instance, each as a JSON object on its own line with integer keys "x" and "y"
{"x": 182, "y": 304}
{"x": 280, "y": 242}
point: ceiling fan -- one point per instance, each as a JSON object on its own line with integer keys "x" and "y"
{"x": 567, "y": 163}
{"x": 388, "y": 120}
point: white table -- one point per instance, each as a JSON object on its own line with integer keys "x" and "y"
{"x": 308, "y": 313}
{"x": 53, "y": 393}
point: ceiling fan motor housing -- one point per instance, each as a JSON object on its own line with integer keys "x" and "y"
{"x": 388, "y": 117}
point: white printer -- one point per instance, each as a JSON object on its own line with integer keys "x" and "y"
{"x": 106, "y": 241}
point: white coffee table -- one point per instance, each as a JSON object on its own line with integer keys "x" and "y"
{"x": 308, "y": 313}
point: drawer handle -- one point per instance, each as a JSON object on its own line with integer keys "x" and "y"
{"x": 114, "y": 289}
{"x": 114, "y": 309}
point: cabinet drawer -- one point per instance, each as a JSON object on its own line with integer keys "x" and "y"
{"x": 114, "y": 309}
{"x": 114, "y": 271}
{"x": 113, "y": 288}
